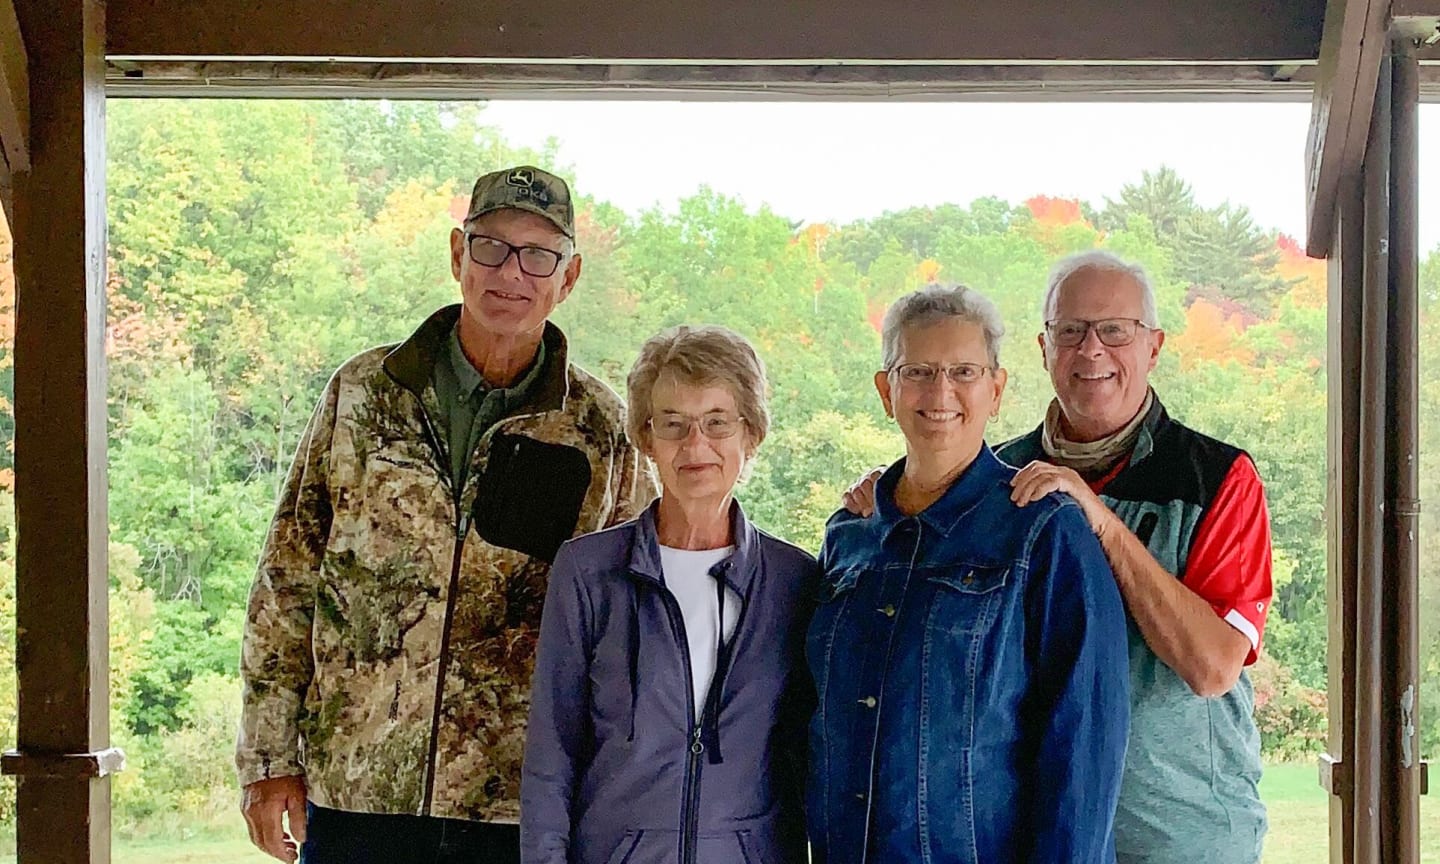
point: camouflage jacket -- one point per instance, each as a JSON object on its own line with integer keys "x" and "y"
{"x": 390, "y": 634}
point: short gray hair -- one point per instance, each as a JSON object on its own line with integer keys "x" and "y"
{"x": 1105, "y": 262}
{"x": 702, "y": 355}
{"x": 934, "y": 304}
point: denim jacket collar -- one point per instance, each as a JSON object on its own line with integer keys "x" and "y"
{"x": 963, "y": 495}
{"x": 738, "y": 570}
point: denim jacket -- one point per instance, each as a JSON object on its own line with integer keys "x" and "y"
{"x": 973, "y": 682}
{"x": 616, "y": 770}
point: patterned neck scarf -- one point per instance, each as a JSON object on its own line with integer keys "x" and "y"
{"x": 1091, "y": 459}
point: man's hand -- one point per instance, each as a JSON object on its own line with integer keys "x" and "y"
{"x": 264, "y": 803}
{"x": 1039, "y": 479}
{"x": 860, "y": 497}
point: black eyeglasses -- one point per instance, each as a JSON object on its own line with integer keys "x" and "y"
{"x": 1114, "y": 332}
{"x": 493, "y": 252}
{"x": 924, "y": 373}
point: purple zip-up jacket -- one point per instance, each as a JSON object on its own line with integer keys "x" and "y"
{"x": 616, "y": 769}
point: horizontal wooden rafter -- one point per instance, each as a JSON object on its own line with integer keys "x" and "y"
{"x": 995, "y": 31}
{"x": 310, "y": 80}
{"x": 900, "y": 83}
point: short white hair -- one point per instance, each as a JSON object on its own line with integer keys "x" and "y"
{"x": 934, "y": 304}
{"x": 1105, "y": 262}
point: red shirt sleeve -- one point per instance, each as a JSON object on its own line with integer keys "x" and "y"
{"x": 1229, "y": 563}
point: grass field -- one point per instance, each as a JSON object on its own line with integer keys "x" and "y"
{"x": 1298, "y": 830}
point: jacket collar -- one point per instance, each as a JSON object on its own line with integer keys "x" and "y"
{"x": 968, "y": 490}
{"x": 738, "y": 570}
{"x": 412, "y": 362}
{"x": 1156, "y": 419}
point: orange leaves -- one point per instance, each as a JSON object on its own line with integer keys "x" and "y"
{"x": 1060, "y": 225}
{"x": 1212, "y": 334}
{"x": 459, "y": 206}
{"x": 1309, "y": 291}
{"x": 875, "y": 314}
{"x": 1054, "y": 211}
{"x": 593, "y": 237}
{"x": 813, "y": 236}
{"x": 144, "y": 332}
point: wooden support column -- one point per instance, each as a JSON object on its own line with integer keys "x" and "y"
{"x": 1400, "y": 744}
{"x": 1369, "y": 610}
{"x": 1373, "y": 768}
{"x": 1346, "y": 286}
{"x": 1351, "y": 45}
{"x": 61, "y": 652}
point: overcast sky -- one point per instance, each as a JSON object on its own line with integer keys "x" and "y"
{"x": 825, "y": 161}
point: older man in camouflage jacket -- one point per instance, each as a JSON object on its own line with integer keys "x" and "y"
{"x": 392, "y": 624}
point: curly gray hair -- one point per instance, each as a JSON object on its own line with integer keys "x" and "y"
{"x": 933, "y": 304}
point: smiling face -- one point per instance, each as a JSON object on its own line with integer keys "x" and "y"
{"x": 505, "y": 301}
{"x": 942, "y": 421}
{"x": 1100, "y": 388}
{"x": 697, "y": 470}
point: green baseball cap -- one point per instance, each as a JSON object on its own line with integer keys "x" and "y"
{"x": 524, "y": 188}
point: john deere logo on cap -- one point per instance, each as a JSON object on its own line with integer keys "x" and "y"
{"x": 526, "y": 186}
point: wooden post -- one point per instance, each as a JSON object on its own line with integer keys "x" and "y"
{"x": 1400, "y": 787}
{"x": 1346, "y": 278}
{"x": 60, "y": 485}
{"x": 1370, "y": 602}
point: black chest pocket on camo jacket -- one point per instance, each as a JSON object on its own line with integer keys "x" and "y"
{"x": 530, "y": 495}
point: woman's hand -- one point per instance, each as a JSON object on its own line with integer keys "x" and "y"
{"x": 860, "y": 497}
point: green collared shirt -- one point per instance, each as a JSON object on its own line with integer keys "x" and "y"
{"x": 471, "y": 405}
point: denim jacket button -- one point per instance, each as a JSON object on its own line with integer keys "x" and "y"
{"x": 869, "y": 702}
{"x": 887, "y": 610}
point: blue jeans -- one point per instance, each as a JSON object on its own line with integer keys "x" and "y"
{"x": 340, "y": 837}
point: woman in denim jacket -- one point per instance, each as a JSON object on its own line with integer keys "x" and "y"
{"x": 668, "y": 706}
{"x": 969, "y": 654}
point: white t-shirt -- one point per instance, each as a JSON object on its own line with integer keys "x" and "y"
{"x": 687, "y": 575}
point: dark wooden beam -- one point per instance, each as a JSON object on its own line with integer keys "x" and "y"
{"x": 14, "y": 91}
{"x": 60, "y": 572}
{"x": 910, "y": 82}
{"x": 1353, "y": 44}
{"x": 1248, "y": 31}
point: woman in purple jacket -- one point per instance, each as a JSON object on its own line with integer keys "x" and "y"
{"x": 669, "y": 702}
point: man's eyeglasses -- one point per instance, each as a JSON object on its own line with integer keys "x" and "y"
{"x": 493, "y": 252}
{"x": 676, "y": 427}
{"x": 925, "y": 373}
{"x": 1114, "y": 332}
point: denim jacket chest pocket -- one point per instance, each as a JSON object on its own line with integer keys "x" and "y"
{"x": 965, "y": 597}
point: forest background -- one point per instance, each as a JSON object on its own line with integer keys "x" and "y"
{"x": 253, "y": 246}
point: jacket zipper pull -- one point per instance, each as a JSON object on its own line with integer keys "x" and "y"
{"x": 696, "y": 745}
